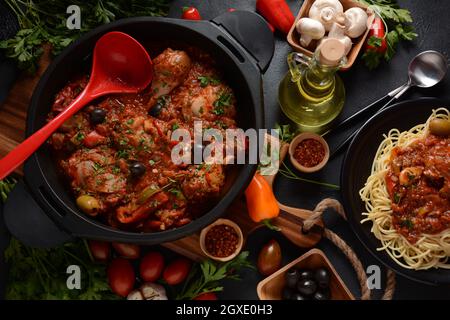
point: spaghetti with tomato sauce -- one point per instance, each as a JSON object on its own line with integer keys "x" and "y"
{"x": 418, "y": 183}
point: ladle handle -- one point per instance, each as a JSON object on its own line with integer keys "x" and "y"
{"x": 24, "y": 150}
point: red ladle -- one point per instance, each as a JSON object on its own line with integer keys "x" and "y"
{"x": 120, "y": 65}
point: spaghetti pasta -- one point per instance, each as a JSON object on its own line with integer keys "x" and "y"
{"x": 423, "y": 250}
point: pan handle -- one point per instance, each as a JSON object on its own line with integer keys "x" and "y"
{"x": 251, "y": 31}
{"x": 26, "y": 221}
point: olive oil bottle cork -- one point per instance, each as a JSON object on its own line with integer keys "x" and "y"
{"x": 331, "y": 52}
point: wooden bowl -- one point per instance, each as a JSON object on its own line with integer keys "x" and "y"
{"x": 299, "y": 138}
{"x": 271, "y": 287}
{"x": 293, "y": 37}
{"x": 220, "y": 222}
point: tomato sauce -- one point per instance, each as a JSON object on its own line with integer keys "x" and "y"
{"x": 117, "y": 150}
{"x": 418, "y": 182}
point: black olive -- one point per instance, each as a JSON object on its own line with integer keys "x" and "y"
{"x": 292, "y": 276}
{"x": 298, "y": 296}
{"x": 287, "y": 293}
{"x": 322, "y": 277}
{"x": 305, "y": 274}
{"x": 307, "y": 287}
{"x": 155, "y": 110}
{"x": 98, "y": 116}
{"x": 321, "y": 295}
{"x": 136, "y": 168}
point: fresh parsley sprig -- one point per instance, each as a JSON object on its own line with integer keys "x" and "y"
{"x": 44, "y": 21}
{"x": 207, "y": 276}
{"x": 398, "y": 27}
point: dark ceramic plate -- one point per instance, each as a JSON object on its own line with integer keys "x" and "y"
{"x": 356, "y": 168}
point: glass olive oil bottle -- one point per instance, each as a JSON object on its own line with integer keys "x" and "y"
{"x": 311, "y": 94}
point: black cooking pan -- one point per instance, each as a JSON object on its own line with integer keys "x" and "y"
{"x": 42, "y": 211}
{"x": 357, "y": 166}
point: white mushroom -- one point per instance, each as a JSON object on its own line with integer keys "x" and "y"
{"x": 325, "y": 11}
{"x": 337, "y": 31}
{"x": 357, "y": 18}
{"x": 309, "y": 29}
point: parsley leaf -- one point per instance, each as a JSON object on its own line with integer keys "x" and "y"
{"x": 45, "y": 22}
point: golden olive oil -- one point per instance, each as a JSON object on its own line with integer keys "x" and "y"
{"x": 311, "y": 94}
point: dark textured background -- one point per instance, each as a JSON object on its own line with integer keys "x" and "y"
{"x": 362, "y": 87}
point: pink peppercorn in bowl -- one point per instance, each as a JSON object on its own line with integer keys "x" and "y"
{"x": 221, "y": 240}
{"x": 309, "y": 152}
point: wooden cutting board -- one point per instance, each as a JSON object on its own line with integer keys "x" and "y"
{"x": 12, "y": 131}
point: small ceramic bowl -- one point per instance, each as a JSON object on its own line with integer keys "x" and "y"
{"x": 303, "y": 136}
{"x": 222, "y": 222}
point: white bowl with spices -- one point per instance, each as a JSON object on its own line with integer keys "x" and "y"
{"x": 221, "y": 240}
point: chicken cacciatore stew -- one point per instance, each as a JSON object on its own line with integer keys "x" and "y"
{"x": 116, "y": 152}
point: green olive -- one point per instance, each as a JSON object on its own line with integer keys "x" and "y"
{"x": 440, "y": 127}
{"x": 88, "y": 204}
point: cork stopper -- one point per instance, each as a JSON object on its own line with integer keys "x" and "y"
{"x": 331, "y": 52}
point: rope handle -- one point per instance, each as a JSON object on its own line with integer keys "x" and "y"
{"x": 347, "y": 250}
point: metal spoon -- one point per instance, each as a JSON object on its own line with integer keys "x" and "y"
{"x": 425, "y": 70}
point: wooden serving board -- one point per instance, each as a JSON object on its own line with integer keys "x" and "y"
{"x": 12, "y": 131}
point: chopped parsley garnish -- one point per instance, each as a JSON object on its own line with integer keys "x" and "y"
{"x": 130, "y": 121}
{"x": 116, "y": 170}
{"x": 407, "y": 223}
{"x": 397, "y": 198}
{"x": 79, "y": 136}
{"x": 224, "y": 100}
{"x": 151, "y": 162}
{"x": 163, "y": 100}
{"x": 205, "y": 81}
{"x": 175, "y": 126}
{"x": 123, "y": 154}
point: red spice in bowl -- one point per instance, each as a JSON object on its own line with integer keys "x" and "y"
{"x": 309, "y": 153}
{"x": 221, "y": 241}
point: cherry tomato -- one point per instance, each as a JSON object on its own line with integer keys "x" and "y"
{"x": 191, "y": 13}
{"x": 100, "y": 250}
{"x": 206, "y": 296}
{"x": 177, "y": 271}
{"x": 127, "y": 250}
{"x": 121, "y": 276}
{"x": 151, "y": 267}
{"x": 269, "y": 259}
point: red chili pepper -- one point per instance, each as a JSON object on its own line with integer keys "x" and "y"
{"x": 191, "y": 13}
{"x": 377, "y": 30}
{"x": 231, "y": 9}
{"x": 277, "y": 13}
